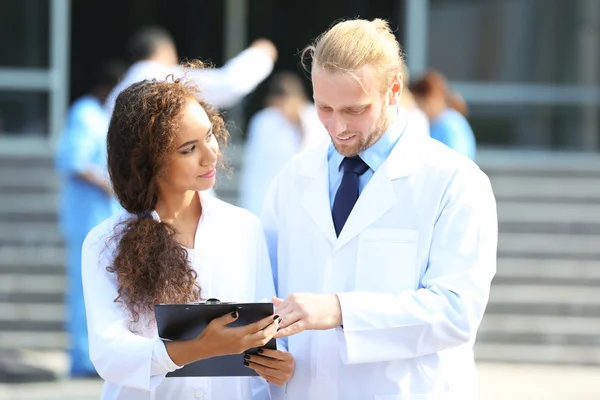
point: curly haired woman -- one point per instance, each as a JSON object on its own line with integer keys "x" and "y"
{"x": 172, "y": 244}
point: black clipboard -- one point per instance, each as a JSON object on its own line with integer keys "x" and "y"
{"x": 186, "y": 321}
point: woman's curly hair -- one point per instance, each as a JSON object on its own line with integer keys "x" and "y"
{"x": 150, "y": 265}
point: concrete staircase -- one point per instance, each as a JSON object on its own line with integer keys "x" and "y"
{"x": 544, "y": 305}
{"x": 32, "y": 274}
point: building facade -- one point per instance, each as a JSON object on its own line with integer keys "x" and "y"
{"x": 529, "y": 69}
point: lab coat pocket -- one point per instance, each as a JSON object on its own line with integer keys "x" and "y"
{"x": 387, "y": 260}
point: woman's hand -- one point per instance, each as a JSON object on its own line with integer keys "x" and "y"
{"x": 274, "y": 365}
{"x": 221, "y": 340}
{"x": 217, "y": 339}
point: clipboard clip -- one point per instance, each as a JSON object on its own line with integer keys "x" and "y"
{"x": 213, "y": 301}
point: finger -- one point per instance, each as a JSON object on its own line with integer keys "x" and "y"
{"x": 265, "y": 371}
{"x": 283, "y": 307}
{"x": 264, "y": 361}
{"x": 277, "y": 301}
{"x": 273, "y": 379}
{"x": 284, "y": 311}
{"x": 276, "y": 354}
{"x": 226, "y": 319}
{"x": 260, "y": 325}
{"x": 290, "y": 330}
{"x": 264, "y": 336}
{"x": 289, "y": 319}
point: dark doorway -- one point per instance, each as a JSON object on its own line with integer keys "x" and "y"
{"x": 101, "y": 28}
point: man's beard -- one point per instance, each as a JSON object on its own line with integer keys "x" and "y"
{"x": 363, "y": 142}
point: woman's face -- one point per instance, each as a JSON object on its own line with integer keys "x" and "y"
{"x": 192, "y": 164}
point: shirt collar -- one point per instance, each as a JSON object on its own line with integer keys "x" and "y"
{"x": 377, "y": 153}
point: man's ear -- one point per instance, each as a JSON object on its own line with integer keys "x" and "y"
{"x": 396, "y": 88}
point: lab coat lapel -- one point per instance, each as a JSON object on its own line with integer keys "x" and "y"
{"x": 315, "y": 196}
{"x": 378, "y": 197}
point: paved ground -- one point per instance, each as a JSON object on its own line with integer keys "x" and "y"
{"x": 498, "y": 382}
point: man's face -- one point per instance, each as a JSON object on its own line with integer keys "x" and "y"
{"x": 353, "y": 109}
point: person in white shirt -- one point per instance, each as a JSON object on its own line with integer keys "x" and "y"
{"x": 154, "y": 56}
{"x": 173, "y": 244}
{"x": 408, "y": 102}
{"x": 382, "y": 241}
{"x": 288, "y": 125}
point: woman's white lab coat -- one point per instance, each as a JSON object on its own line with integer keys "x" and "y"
{"x": 231, "y": 259}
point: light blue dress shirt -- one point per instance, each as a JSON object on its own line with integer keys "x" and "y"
{"x": 374, "y": 156}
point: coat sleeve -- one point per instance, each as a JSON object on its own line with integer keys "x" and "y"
{"x": 269, "y": 217}
{"x": 261, "y": 389}
{"x": 447, "y": 309}
{"x": 119, "y": 355}
{"x": 224, "y": 87}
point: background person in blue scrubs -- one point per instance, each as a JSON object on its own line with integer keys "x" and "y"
{"x": 446, "y": 112}
{"x": 86, "y": 198}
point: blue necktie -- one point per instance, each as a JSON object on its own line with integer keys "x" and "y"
{"x": 347, "y": 193}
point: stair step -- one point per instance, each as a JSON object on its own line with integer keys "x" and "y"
{"x": 542, "y": 227}
{"x": 539, "y": 338}
{"x": 31, "y": 270}
{"x": 26, "y": 203}
{"x": 37, "y": 256}
{"x": 548, "y": 163}
{"x": 550, "y": 309}
{"x": 556, "y": 269}
{"x": 13, "y": 233}
{"x": 529, "y": 353}
{"x": 549, "y": 246}
{"x": 542, "y": 187}
{"x": 31, "y": 326}
{"x": 512, "y": 211}
{"x": 547, "y": 294}
{"x": 33, "y": 340}
{"x": 13, "y": 370}
{"x": 29, "y": 298}
{"x": 41, "y": 179}
{"x": 551, "y": 325}
{"x": 39, "y": 312}
{"x": 35, "y": 284}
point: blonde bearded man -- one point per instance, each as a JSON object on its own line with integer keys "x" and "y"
{"x": 382, "y": 241}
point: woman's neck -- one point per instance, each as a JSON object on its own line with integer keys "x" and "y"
{"x": 179, "y": 206}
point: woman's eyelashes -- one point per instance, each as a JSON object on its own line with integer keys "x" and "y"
{"x": 188, "y": 151}
{"x": 209, "y": 136}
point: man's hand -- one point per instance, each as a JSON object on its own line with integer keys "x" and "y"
{"x": 307, "y": 311}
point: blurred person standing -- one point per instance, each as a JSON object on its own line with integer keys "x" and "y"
{"x": 447, "y": 113}
{"x": 286, "y": 126}
{"x": 409, "y": 104}
{"x": 86, "y": 198}
{"x": 153, "y": 55}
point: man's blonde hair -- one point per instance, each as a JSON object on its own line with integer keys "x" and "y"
{"x": 350, "y": 45}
